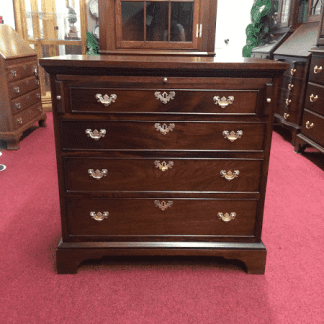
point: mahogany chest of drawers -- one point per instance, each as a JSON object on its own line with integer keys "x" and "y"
{"x": 162, "y": 156}
{"x": 292, "y": 88}
{"x": 20, "y": 104}
{"x": 312, "y": 132}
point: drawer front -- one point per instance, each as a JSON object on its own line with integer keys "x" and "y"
{"x": 289, "y": 115}
{"x": 21, "y": 71}
{"x": 167, "y": 174}
{"x": 293, "y": 85}
{"x": 297, "y": 70}
{"x": 316, "y": 70}
{"x": 27, "y": 115}
{"x": 21, "y": 103}
{"x": 315, "y": 98}
{"x": 150, "y": 135}
{"x": 313, "y": 126}
{"x": 21, "y": 87}
{"x": 112, "y": 100}
{"x": 160, "y": 217}
{"x": 290, "y": 100}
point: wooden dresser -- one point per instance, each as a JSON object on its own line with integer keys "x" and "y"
{"x": 162, "y": 155}
{"x": 290, "y": 105}
{"x": 20, "y": 103}
{"x": 312, "y": 132}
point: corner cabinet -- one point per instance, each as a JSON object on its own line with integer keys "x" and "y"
{"x": 160, "y": 156}
{"x": 157, "y": 27}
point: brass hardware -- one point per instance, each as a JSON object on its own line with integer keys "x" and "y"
{"x": 290, "y": 86}
{"x": 106, "y": 100}
{"x": 165, "y": 80}
{"x": 164, "y": 97}
{"x": 14, "y": 73}
{"x": 37, "y": 81}
{"x": 286, "y": 115}
{"x": 98, "y": 174}
{"x": 226, "y": 217}
{"x": 292, "y": 71}
{"x": 229, "y": 175}
{"x": 269, "y": 100}
{"x": 223, "y": 102}
{"x": 16, "y": 89}
{"x": 18, "y": 105}
{"x": 232, "y": 136}
{"x": 38, "y": 95}
{"x": 99, "y": 217}
{"x": 164, "y": 129}
{"x": 318, "y": 69}
{"x": 19, "y": 120}
{"x": 163, "y": 205}
{"x": 288, "y": 101}
{"x": 95, "y": 135}
{"x": 313, "y": 98}
{"x": 309, "y": 125}
{"x": 35, "y": 70}
{"x": 163, "y": 166}
{"x": 58, "y": 97}
{"x": 198, "y": 30}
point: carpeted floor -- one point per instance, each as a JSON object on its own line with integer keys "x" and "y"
{"x": 160, "y": 290}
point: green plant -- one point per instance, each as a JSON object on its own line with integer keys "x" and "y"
{"x": 258, "y": 32}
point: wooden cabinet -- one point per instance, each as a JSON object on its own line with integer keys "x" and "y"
{"x": 160, "y": 156}
{"x": 157, "y": 27}
{"x": 20, "y": 104}
{"x": 312, "y": 133}
{"x": 290, "y": 103}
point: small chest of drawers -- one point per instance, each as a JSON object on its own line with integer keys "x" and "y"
{"x": 20, "y": 93}
{"x": 162, "y": 157}
{"x": 292, "y": 87}
{"x": 312, "y": 133}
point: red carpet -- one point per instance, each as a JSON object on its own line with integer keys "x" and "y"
{"x": 155, "y": 290}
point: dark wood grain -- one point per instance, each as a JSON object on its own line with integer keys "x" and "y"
{"x": 143, "y": 175}
{"x": 142, "y": 217}
{"x": 132, "y": 144}
{"x": 143, "y": 101}
{"x": 143, "y": 135}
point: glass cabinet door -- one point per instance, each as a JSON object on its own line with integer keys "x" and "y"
{"x": 282, "y": 15}
{"x": 162, "y": 24}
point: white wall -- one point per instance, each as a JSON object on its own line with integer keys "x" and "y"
{"x": 7, "y": 12}
{"x": 233, "y": 16}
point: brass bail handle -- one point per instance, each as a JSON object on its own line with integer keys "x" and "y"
{"x": 106, "y": 100}
{"x": 95, "y": 135}
{"x": 223, "y": 102}
{"x": 318, "y": 69}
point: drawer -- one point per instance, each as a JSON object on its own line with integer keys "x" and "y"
{"x": 166, "y": 135}
{"x": 22, "y": 102}
{"x": 313, "y": 126}
{"x": 160, "y": 217}
{"x": 293, "y": 85}
{"x": 297, "y": 70}
{"x": 21, "y": 71}
{"x": 161, "y": 174}
{"x": 27, "y": 115}
{"x": 289, "y": 115}
{"x": 316, "y": 70}
{"x": 21, "y": 87}
{"x": 290, "y": 100}
{"x": 315, "y": 98}
{"x": 105, "y": 100}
